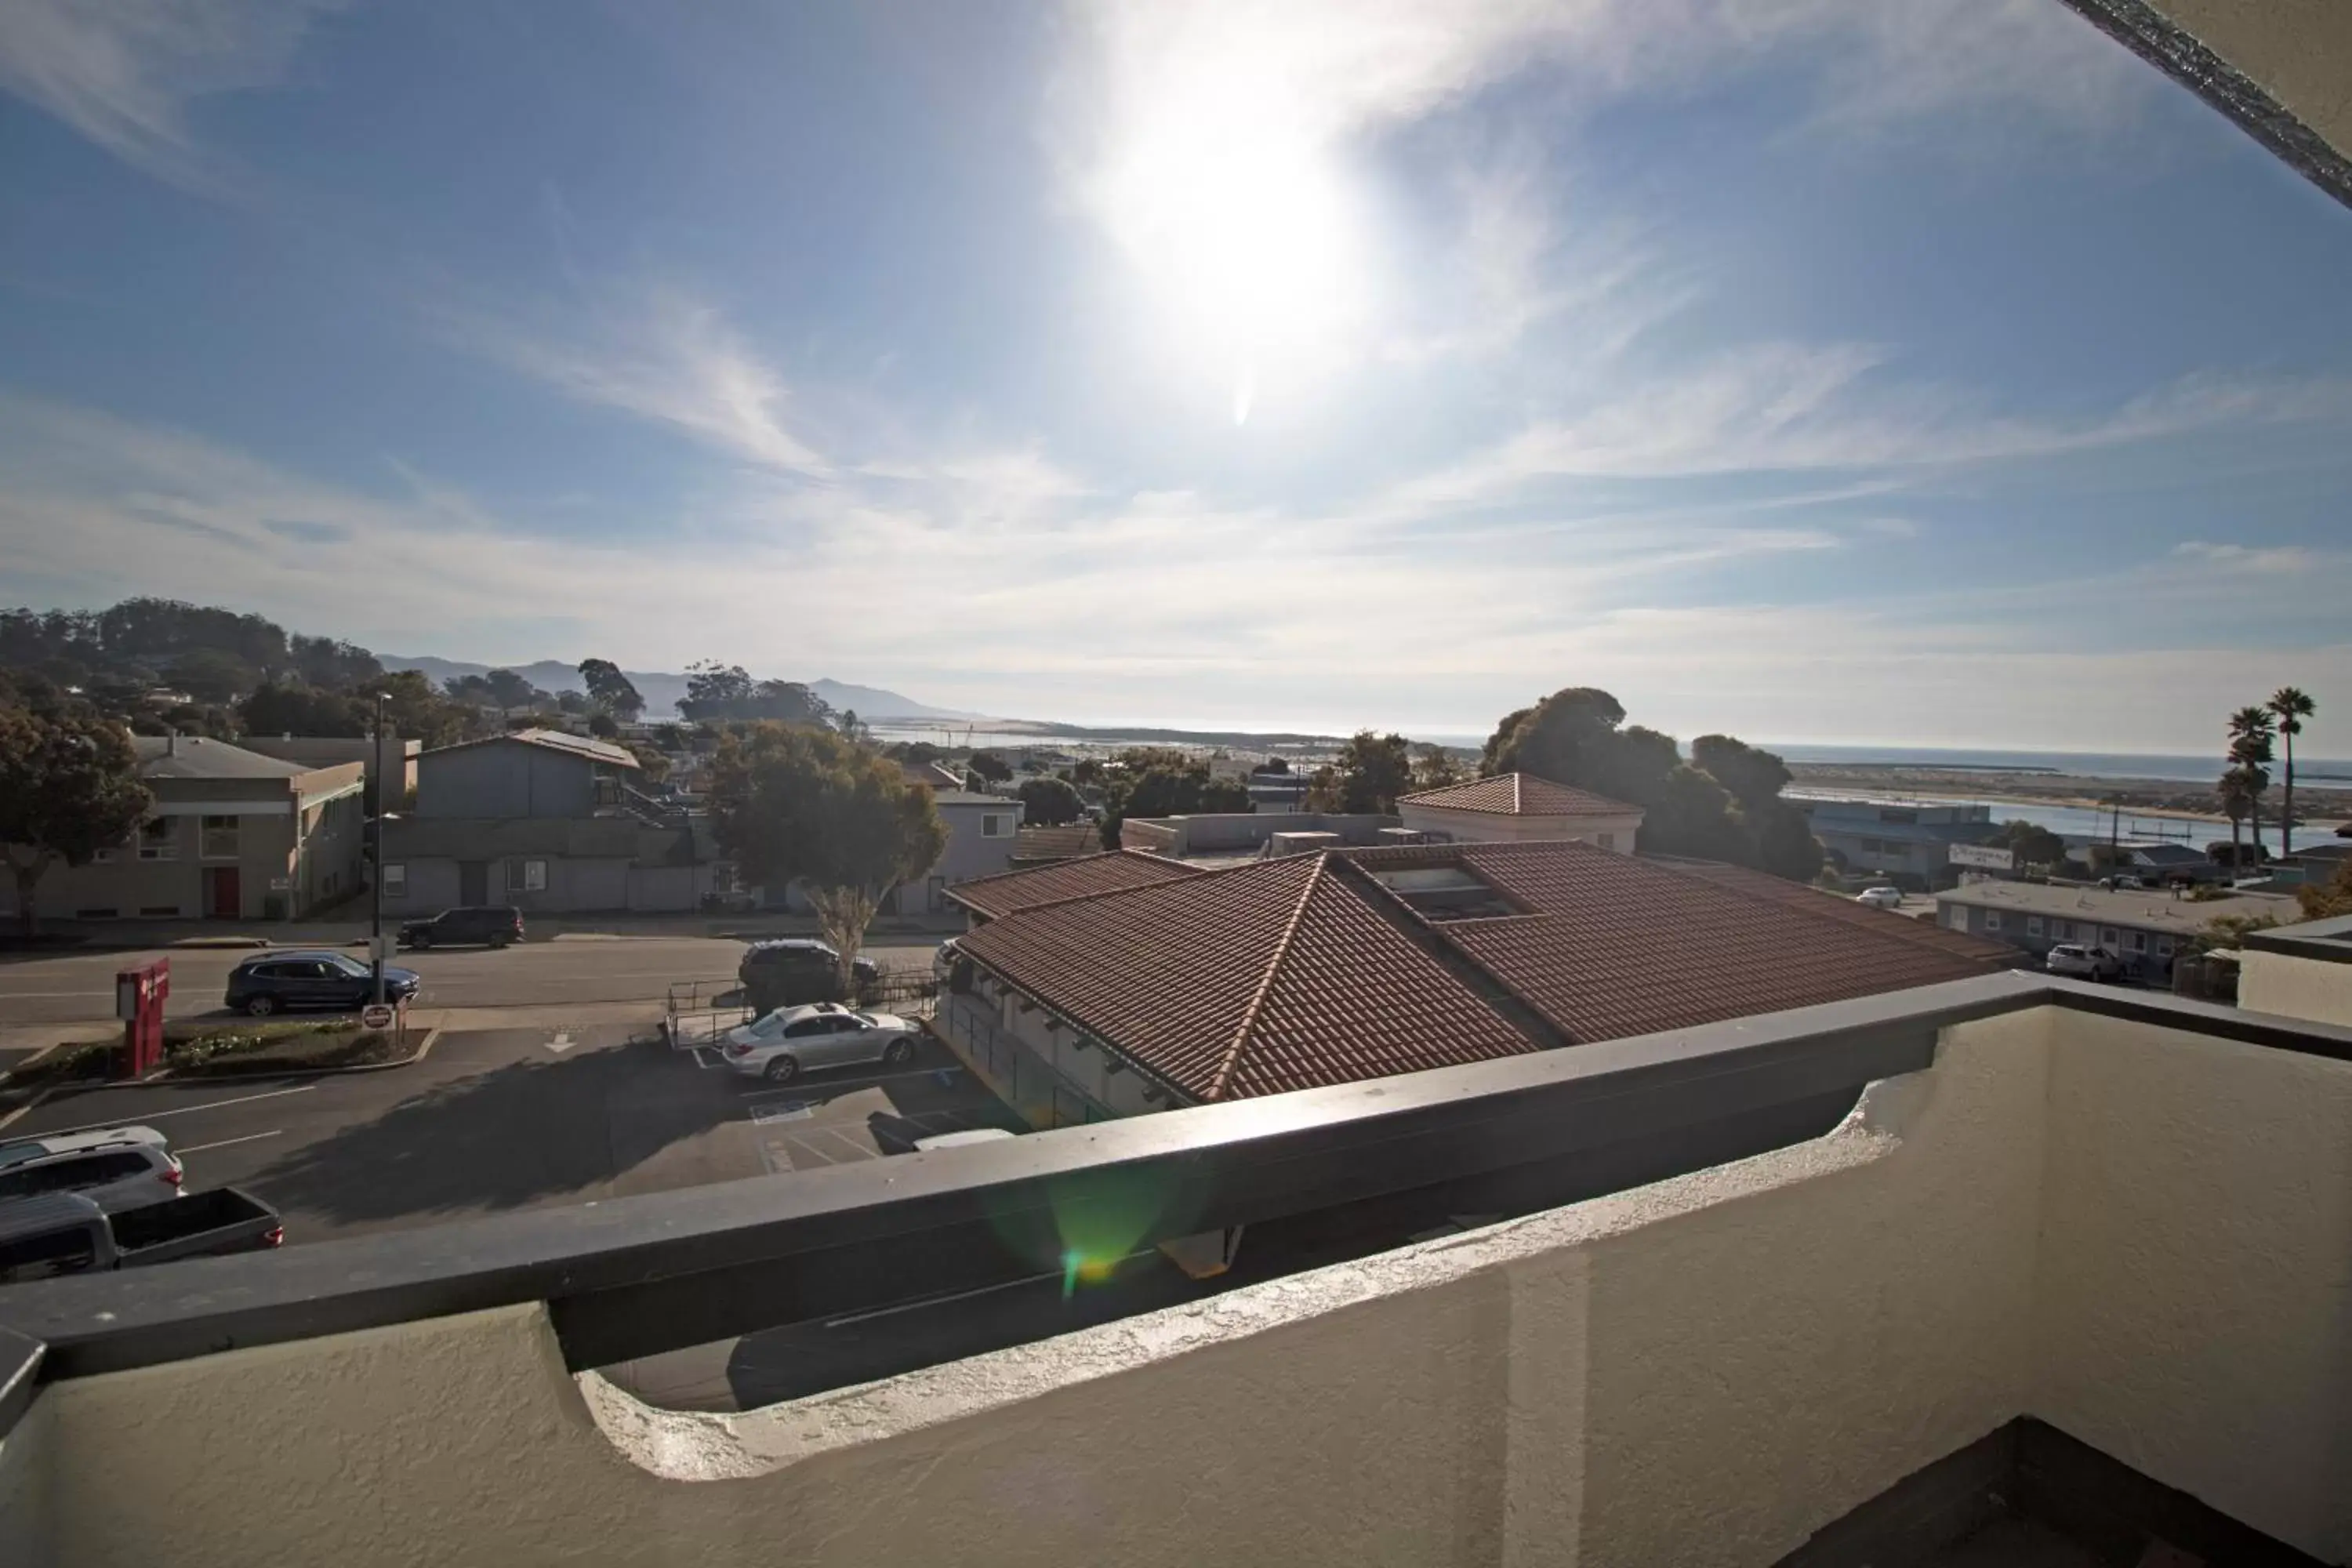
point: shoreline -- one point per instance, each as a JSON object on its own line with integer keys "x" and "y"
{"x": 2318, "y": 806}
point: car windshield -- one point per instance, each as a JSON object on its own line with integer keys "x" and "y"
{"x": 769, "y": 1027}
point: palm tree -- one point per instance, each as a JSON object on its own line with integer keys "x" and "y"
{"x": 2235, "y": 798}
{"x": 2250, "y": 730}
{"x": 2291, "y": 707}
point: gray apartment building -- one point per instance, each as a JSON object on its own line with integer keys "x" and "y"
{"x": 547, "y": 822}
{"x": 2147, "y": 928}
{"x": 1906, "y": 841}
{"x": 233, "y": 834}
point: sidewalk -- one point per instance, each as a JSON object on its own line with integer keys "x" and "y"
{"x": 104, "y": 936}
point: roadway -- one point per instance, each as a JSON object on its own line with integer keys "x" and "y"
{"x": 76, "y": 988}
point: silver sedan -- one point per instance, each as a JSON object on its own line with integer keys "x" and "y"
{"x": 791, "y": 1040}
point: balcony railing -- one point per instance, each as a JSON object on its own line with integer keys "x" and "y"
{"x": 1846, "y": 1244}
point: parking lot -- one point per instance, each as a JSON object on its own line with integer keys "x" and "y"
{"x": 498, "y": 1120}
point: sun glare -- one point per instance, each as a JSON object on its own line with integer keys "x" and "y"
{"x": 1245, "y": 225}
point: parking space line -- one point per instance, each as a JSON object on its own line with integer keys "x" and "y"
{"x": 226, "y": 1142}
{"x": 145, "y": 1117}
{"x": 856, "y": 1151}
{"x": 952, "y": 1071}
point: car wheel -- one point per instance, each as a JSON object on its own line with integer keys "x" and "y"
{"x": 420, "y": 942}
{"x": 898, "y": 1052}
{"x": 261, "y": 1007}
{"x": 784, "y": 1069}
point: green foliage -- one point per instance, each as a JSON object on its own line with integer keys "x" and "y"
{"x": 1371, "y": 772}
{"x": 2031, "y": 844}
{"x": 601, "y": 725}
{"x": 2325, "y": 900}
{"x": 990, "y": 766}
{"x": 2230, "y": 931}
{"x": 273, "y": 710}
{"x": 1434, "y": 767}
{"x": 209, "y": 675}
{"x": 68, "y": 787}
{"x": 1153, "y": 780}
{"x": 791, "y": 803}
{"x": 1049, "y": 803}
{"x": 1723, "y": 804}
{"x": 613, "y": 692}
{"x": 718, "y": 691}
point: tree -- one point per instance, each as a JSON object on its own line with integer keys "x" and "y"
{"x": 799, "y": 805}
{"x": 273, "y": 710}
{"x": 2327, "y": 900}
{"x": 2237, "y": 795}
{"x": 990, "y": 766}
{"x": 209, "y": 675}
{"x": 718, "y": 691}
{"x": 418, "y": 712}
{"x": 601, "y": 725}
{"x": 1225, "y": 797}
{"x": 1434, "y": 768}
{"x": 1780, "y": 836}
{"x": 508, "y": 689}
{"x": 2250, "y": 731}
{"x": 1372, "y": 771}
{"x": 1049, "y": 803}
{"x": 1272, "y": 765}
{"x": 2029, "y": 843}
{"x": 853, "y": 727}
{"x": 612, "y": 692}
{"x": 2289, "y": 707}
{"x": 68, "y": 788}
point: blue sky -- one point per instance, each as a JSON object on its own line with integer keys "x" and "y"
{"x": 1823, "y": 370}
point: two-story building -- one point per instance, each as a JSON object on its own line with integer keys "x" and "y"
{"x": 1514, "y": 808}
{"x": 545, "y": 821}
{"x": 1907, "y": 841}
{"x": 233, "y": 834}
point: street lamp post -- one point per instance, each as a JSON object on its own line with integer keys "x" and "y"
{"x": 375, "y": 877}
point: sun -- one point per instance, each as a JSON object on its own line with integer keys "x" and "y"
{"x": 1246, "y": 227}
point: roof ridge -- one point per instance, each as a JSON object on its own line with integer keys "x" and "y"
{"x": 1282, "y": 946}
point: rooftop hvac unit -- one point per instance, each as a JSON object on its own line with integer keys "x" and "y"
{"x": 1300, "y": 843}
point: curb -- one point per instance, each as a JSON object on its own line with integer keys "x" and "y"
{"x": 167, "y": 1078}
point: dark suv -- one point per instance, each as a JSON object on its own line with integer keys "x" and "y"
{"x": 793, "y": 970}
{"x": 488, "y": 925}
{"x": 283, "y": 981}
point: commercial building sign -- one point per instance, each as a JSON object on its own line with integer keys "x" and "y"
{"x": 1983, "y": 856}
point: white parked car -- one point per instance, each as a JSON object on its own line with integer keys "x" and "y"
{"x": 963, "y": 1140}
{"x": 114, "y": 1167}
{"x": 792, "y": 1040}
{"x": 1880, "y": 897}
{"x": 2090, "y": 963}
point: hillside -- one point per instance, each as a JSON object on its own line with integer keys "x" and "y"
{"x": 662, "y": 689}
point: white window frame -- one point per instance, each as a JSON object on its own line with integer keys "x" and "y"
{"x": 534, "y": 876}
{"x": 2109, "y": 938}
{"x": 207, "y": 845}
{"x": 1992, "y": 920}
{"x": 2034, "y": 925}
{"x": 2164, "y": 947}
{"x": 395, "y": 876}
{"x": 995, "y": 825}
{"x": 166, "y": 848}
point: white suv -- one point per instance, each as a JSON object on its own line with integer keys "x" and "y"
{"x": 1880, "y": 897}
{"x": 114, "y": 1167}
{"x": 2090, "y": 963}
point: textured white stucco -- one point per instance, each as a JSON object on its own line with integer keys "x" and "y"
{"x": 2143, "y": 1237}
{"x": 2294, "y": 987}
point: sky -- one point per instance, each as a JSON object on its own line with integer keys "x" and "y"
{"x": 1898, "y": 372}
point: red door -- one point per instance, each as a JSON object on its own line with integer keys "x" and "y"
{"x": 223, "y": 899}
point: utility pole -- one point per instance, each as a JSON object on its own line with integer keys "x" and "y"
{"x": 375, "y": 876}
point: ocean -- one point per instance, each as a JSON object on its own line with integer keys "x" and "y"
{"x": 2101, "y": 764}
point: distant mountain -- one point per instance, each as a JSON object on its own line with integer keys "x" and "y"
{"x": 663, "y": 691}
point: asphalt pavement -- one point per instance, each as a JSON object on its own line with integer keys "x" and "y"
{"x": 51, "y": 989}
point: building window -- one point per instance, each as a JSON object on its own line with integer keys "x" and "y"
{"x": 1957, "y": 916}
{"x": 2107, "y": 937}
{"x": 2057, "y": 931}
{"x": 219, "y": 838}
{"x": 2034, "y": 925}
{"x": 2136, "y": 941}
{"x": 2164, "y": 947}
{"x": 995, "y": 825}
{"x": 1992, "y": 920}
{"x": 1607, "y": 840}
{"x": 526, "y": 875}
{"x": 395, "y": 879}
{"x": 155, "y": 840}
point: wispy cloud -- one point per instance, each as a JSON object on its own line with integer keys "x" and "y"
{"x": 656, "y": 353}
{"x": 127, "y": 73}
{"x": 1778, "y": 408}
{"x": 2264, "y": 560}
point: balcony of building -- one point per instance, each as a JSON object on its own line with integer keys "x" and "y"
{"x": 1893, "y": 1281}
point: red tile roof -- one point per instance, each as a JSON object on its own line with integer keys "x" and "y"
{"x": 1040, "y": 846}
{"x": 1823, "y": 905}
{"x": 1266, "y": 977}
{"x": 1304, "y": 971}
{"x": 1520, "y": 795}
{"x": 1008, "y": 892}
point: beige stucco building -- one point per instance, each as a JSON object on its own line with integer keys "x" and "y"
{"x": 233, "y": 834}
{"x": 1517, "y": 808}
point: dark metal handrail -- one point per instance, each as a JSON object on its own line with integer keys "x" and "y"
{"x": 636, "y": 1275}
